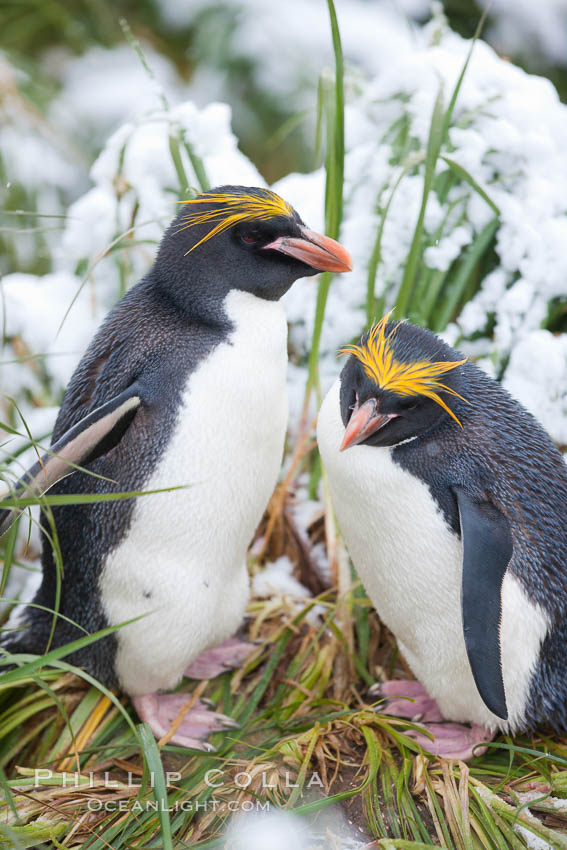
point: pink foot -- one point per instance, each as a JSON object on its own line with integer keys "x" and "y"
{"x": 160, "y": 710}
{"x": 453, "y": 740}
{"x": 219, "y": 659}
{"x": 409, "y": 699}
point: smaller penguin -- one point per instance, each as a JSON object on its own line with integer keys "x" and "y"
{"x": 182, "y": 389}
{"x": 452, "y": 501}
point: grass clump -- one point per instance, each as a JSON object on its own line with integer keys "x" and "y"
{"x": 78, "y": 771}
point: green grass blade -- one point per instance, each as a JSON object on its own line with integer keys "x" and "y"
{"x": 468, "y": 265}
{"x": 401, "y": 844}
{"x": 175, "y": 153}
{"x": 334, "y": 215}
{"x": 153, "y": 761}
{"x": 334, "y": 164}
{"x": 31, "y": 666}
{"x": 431, "y": 155}
{"x": 260, "y": 688}
{"x": 198, "y": 166}
{"x": 9, "y": 547}
{"x": 451, "y": 108}
{"x": 318, "y": 145}
{"x": 83, "y": 498}
{"x": 468, "y": 178}
{"x": 8, "y": 796}
{"x": 31, "y": 835}
{"x": 320, "y": 304}
{"x": 374, "y": 307}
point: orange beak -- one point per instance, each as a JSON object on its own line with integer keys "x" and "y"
{"x": 365, "y": 420}
{"x": 319, "y": 252}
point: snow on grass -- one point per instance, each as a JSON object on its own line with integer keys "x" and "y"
{"x": 134, "y": 196}
{"x": 537, "y": 373}
{"x": 39, "y": 171}
{"x": 287, "y": 53}
{"x": 119, "y": 89}
{"x": 533, "y": 842}
{"x": 137, "y": 186}
{"x": 277, "y": 579}
{"x": 509, "y": 132}
{"x": 33, "y": 310}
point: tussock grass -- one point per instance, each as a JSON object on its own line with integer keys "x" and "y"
{"x": 66, "y": 745}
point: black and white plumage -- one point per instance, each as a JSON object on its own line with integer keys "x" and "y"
{"x": 458, "y": 529}
{"x": 183, "y": 385}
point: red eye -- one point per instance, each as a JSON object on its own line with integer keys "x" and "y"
{"x": 248, "y": 238}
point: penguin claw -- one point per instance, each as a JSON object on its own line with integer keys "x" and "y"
{"x": 191, "y": 743}
{"x": 453, "y": 740}
{"x": 161, "y": 710}
{"x": 226, "y": 656}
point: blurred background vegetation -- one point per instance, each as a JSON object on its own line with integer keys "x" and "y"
{"x": 40, "y": 35}
{"x": 70, "y": 76}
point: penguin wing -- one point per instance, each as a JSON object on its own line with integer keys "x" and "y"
{"x": 91, "y": 437}
{"x": 487, "y": 549}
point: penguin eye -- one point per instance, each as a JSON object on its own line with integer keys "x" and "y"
{"x": 248, "y": 238}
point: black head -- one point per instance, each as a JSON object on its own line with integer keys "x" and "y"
{"x": 398, "y": 383}
{"x": 238, "y": 237}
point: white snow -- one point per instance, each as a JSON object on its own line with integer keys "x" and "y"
{"x": 533, "y": 30}
{"x": 289, "y": 52}
{"x": 533, "y": 842}
{"x": 276, "y": 579}
{"x": 281, "y": 830}
{"x": 23, "y": 583}
{"x": 537, "y": 375}
{"x": 137, "y": 188}
{"x": 103, "y": 88}
{"x": 268, "y": 831}
{"x": 33, "y": 311}
{"x": 510, "y": 132}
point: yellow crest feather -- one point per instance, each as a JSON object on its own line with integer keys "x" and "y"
{"x": 232, "y": 209}
{"x": 418, "y": 378}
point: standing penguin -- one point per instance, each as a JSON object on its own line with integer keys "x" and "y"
{"x": 183, "y": 385}
{"x": 452, "y": 501}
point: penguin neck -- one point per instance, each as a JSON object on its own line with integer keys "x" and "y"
{"x": 197, "y": 304}
{"x": 224, "y": 313}
{"x": 259, "y": 323}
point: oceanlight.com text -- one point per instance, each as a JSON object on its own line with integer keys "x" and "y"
{"x": 138, "y": 806}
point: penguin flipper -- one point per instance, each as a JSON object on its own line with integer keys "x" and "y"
{"x": 487, "y": 549}
{"x": 93, "y": 436}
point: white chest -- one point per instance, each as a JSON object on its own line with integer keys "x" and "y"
{"x": 184, "y": 557}
{"x": 411, "y": 564}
